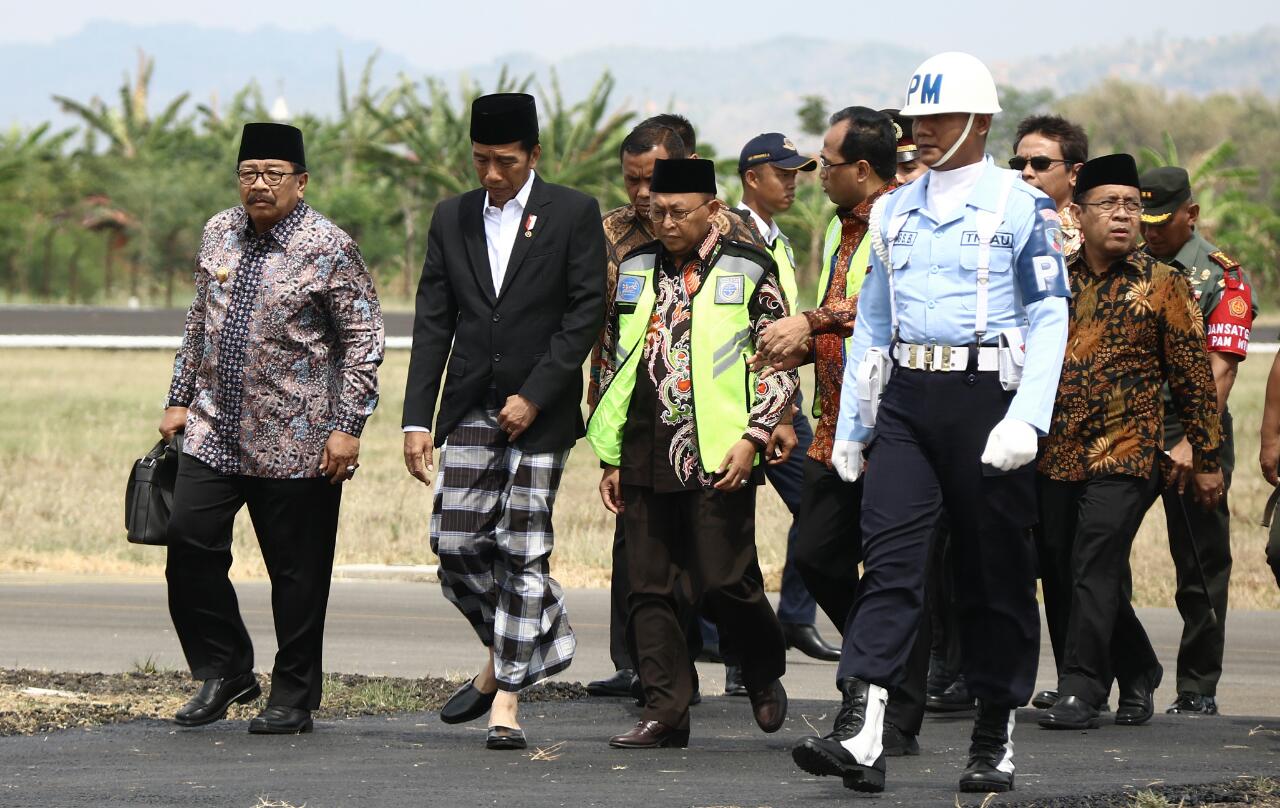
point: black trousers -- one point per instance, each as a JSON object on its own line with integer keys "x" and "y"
{"x": 296, "y": 522}
{"x": 827, "y": 554}
{"x": 1095, "y": 521}
{"x": 930, "y": 434}
{"x": 1203, "y": 641}
{"x": 707, "y": 537}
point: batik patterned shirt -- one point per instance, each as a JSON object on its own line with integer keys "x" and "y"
{"x": 660, "y": 441}
{"x": 1133, "y": 327}
{"x": 281, "y": 345}
{"x": 832, "y": 323}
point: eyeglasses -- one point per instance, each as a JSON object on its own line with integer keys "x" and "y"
{"x": 1110, "y": 205}
{"x": 1038, "y": 163}
{"x": 271, "y": 176}
{"x": 656, "y": 215}
{"x": 824, "y": 166}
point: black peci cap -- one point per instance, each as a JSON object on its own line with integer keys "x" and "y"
{"x": 271, "y": 141}
{"x": 503, "y": 118}
{"x": 691, "y": 176}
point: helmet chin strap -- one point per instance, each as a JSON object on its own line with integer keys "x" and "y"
{"x": 955, "y": 146}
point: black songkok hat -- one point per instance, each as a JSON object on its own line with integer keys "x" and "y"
{"x": 1110, "y": 169}
{"x": 503, "y": 118}
{"x": 691, "y": 176}
{"x": 271, "y": 141}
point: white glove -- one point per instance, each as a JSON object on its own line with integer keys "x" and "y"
{"x": 1012, "y": 444}
{"x": 846, "y": 458}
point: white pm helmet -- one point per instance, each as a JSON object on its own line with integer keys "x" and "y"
{"x": 951, "y": 82}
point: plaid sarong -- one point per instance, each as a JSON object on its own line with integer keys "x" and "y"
{"x": 491, "y": 528}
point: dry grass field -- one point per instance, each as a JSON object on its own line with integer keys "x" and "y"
{"x": 72, "y": 422}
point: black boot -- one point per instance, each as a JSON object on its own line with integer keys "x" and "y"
{"x": 990, "y": 751}
{"x": 955, "y": 699}
{"x": 940, "y": 676}
{"x": 854, "y": 749}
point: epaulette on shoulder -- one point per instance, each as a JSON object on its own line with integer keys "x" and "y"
{"x": 1223, "y": 260}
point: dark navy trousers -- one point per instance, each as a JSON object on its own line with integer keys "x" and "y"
{"x": 930, "y": 434}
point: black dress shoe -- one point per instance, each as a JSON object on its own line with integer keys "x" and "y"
{"x": 277, "y": 720}
{"x": 1071, "y": 712}
{"x": 651, "y": 735}
{"x": 1044, "y": 699}
{"x": 505, "y": 738}
{"x": 1137, "y": 701}
{"x": 466, "y": 704}
{"x": 1189, "y": 703}
{"x": 804, "y": 637}
{"x": 899, "y": 743}
{"x": 214, "y": 697}
{"x": 733, "y": 684}
{"x": 955, "y": 699}
{"x": 617, "y": 686}
{"x": 990, "y": 768}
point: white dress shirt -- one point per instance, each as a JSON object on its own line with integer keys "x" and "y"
{"x": 501, "y": 226}
{"x": 769, "y": 232}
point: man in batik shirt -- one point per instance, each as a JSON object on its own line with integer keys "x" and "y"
{"x": 1134, "y": 327}
{"x": 275, "y": 378}
{"x": 683, "y": 478}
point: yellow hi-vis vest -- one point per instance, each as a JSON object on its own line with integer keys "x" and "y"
{"x": 720, "y": 342}
{"x": 853, "y": 279}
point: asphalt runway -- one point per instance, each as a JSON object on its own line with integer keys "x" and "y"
{"x": 415, "y": 760}
{"x": 408, "y": 629}
{"x": 398, "y": 628}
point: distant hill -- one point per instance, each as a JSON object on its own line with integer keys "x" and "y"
{"x": 731, "y": 92}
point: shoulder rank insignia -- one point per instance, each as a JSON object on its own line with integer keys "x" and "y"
{"x": 1221, "y": 259}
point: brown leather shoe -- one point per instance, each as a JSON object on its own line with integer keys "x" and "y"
{"x": 651, "y": 735}
{"x": 770, "y": 706}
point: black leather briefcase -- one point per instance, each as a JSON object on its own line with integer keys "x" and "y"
{"x": 148, "y": 499}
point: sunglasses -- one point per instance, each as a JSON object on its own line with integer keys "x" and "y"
{"x": 1039, "y": 163}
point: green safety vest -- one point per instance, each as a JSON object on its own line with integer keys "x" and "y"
{"x": 720, "y": 343}
{"x": 852, "y": 280}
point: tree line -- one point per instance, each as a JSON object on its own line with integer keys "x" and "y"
{"x": 112, "y": 208}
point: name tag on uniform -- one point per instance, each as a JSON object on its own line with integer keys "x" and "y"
{"x": 905, "y": 238}
{"x": 630, "y": 287}
{"x": 969, "y": 238}
{"x": 731, "y": 289}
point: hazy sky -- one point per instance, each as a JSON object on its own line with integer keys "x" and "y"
{"x": 442, "y": 35}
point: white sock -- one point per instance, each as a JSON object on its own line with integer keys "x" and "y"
{"x": 867, "y": 746}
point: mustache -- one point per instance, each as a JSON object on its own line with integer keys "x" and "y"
{"x": 260, "y": 197}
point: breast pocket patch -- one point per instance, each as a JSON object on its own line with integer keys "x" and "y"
{"x": 630, "y": 287}
{"x": 731, "y": 289}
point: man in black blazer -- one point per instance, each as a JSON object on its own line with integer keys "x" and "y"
{"x": 509, "y": 305}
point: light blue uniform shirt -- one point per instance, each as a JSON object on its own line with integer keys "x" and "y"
{"x": 935, "y": 282}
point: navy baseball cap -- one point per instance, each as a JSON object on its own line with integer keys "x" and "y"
{"x": 776, "y": 148}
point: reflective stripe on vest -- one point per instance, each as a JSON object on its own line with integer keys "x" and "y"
{"x": 861, "y": 259}
{"x": 720, "y": 343}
